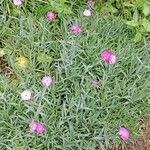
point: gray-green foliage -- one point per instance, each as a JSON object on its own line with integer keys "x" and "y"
{"x": 75, "y": 115}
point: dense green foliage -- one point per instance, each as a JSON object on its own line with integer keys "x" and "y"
{"x": 135, "y": 13}
{"x": 76, "y": 116}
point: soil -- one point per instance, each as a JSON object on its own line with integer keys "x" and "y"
{"x": 142, "y": 143}
{"x": 5, "y": 69}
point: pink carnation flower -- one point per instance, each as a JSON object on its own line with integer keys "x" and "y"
{"x": 87, "y": 13}
{"x": 36, "y": 127}
{"x": 90, "y": 4}
{"x": 26, "y": 95}
{"x": 47, "y": 81}
{"x": 124, "y": 133}
{"x": 40, "y": 128}
{"x": 51, "y": 16}
{"x": 108, "y": 57}
{"x": 75, "y": 28}
{"x": 33, "y": 126}
{"x": 17, "y": 2}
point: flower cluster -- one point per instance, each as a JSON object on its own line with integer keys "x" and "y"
{"x": 106, "y": 55}
{"x": 36, "y": 127}
{"x": 26, "y": 96}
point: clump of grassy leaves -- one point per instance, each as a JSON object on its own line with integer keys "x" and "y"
{"x": 75, "y": 115}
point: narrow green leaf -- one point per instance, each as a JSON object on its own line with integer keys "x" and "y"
{"x": 135, "y": 15}
{"x": 44, "y": 58}
{"x": 42, "y": 10}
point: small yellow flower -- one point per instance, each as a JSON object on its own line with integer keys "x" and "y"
{"x": 21, "y": 61}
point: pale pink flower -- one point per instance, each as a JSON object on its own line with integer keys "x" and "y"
{"x": 124, "y": 133}
{"x": 17, "y": 2}
{"x": 75, "y": 28}
{"x": 26, "y": 95}
{"x": 47, "y": 81}
{"x": 33, "y": 126}
{"x": 87, "y": 13}
{"x": 40, "y": 128}
{"x": 108, "y": 57}
{"x": 36, "y": 127}
{"x": 90, "y": 4}
{"x": 51, "y": 16}
{"x": 94, "y": 83}
{"x": 112, "y": 60}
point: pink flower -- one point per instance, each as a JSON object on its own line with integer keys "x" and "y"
{"x": 90, "y": 4}
{"x": 33, "y": 126}
{"x": 124, "y": 133}
{"x": 26, "y": 95}
{"x": 40, "y": 128}
{"x": 17, "y": 2}
{"x": 36, "y": 127}
{"x": 51, "y": 16}
{"x": 108, "y": 57}
{"x": 75, "y": 28}
{"x": 47, "y": 81}
{"x": 94, "y": 84}
{"x": 87, "y": 13}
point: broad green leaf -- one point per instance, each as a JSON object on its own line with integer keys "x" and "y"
{"x": 132, "y": 23}
{"x": 139, "y": 3}
{"x": 128, "y": 4}
{"x": 2, "y": 53}
{"x": 146, "y": 9}
{"x": 44, "y": 58}
{"x": 146, "y": 24}
{"x": 62, "y": 1}
{"x": 111, "y": 9}
{"x": 138, "y": 37}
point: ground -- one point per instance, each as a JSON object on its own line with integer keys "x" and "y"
{"x": 142, "y": 143}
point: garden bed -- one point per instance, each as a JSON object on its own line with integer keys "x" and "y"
{"x": 71, "y": 78}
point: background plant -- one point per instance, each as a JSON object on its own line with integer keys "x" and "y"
{"x": 135, "y": 13}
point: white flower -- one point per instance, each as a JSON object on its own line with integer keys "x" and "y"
{"x": 26, "y": 95}
{"x": 87, "y": 13}
{"x": 17, "y": 2}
